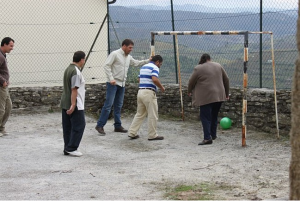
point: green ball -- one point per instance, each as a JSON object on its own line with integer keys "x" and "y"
{"x": 225, "y": 123}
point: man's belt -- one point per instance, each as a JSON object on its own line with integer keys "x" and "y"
{"x": 149, "y": 89}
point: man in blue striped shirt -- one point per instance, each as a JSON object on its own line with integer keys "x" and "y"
{"x": 146, "y": 99}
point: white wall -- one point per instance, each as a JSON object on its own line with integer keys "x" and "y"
{"x": 47, "y": 33}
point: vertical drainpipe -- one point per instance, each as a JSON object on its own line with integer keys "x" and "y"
{"x": 260, "y": 44}
{"x": 108, "y": 38}
{"x": 174, "y": 43}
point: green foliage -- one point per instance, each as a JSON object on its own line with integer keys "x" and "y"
{"x": 133, "y": 75}
{"x": 50, "y": 110}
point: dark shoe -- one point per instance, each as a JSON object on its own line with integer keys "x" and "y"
{"x": 157, "y": 138}
{"x": 205, "y": 142}
{"x": 100, "y": 130}
{"x": 213, "y": 138}
{"x": 135, "y": 137}
{"x": 121, "y": 130}
{"x": 66, "y": 153}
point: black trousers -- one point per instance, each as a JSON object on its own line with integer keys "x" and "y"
{"x": 209, "y": 119}
{"x": 73, "y": 128}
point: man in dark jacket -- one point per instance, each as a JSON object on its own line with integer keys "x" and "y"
{"x": 209, "y": 85}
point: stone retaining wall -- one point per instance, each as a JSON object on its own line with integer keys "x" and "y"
{"x": 260, "y": 116}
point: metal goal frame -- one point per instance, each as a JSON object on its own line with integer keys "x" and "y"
{"x": 245, "y": 75}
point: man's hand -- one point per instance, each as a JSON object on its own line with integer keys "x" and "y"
{"x": 5, "y": 84}
{"x": 71, "y": 110}
{"x": 113, "y": 82}
{"x": 162, "y": 89}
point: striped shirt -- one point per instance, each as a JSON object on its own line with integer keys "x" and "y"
{"x": 146, "y": 73}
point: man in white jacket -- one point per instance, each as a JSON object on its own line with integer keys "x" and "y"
{"x": 116, "y": 68}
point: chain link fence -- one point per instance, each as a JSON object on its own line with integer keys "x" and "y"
{"x": 48, "y": 32}
{"x": 129, "y": 20}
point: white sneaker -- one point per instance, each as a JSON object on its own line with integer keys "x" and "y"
{"x": 4, "y": 132}
{"x": 74, "y": 153}
{"x": 1, "y": 134}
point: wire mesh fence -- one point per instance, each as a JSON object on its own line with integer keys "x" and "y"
{"x": 47, "y": 32}
{"x": 129, "y": 20}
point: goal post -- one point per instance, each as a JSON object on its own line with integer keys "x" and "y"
{"x": 245, "y": 75}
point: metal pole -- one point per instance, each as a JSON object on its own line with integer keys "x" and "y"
{"x": 178, "y": 67}
{"x": 108, "y": 32}
{"x": 274, "y": 83}
{"x": 245, "y": 85}
{"x": 112, "y": 24}
{"x": 174, "y": 43}
{"x": 108, "y": 37}
{"x": 260, "y": 43}
{"x": 91, "y": 49}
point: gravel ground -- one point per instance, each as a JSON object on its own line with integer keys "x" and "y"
{"x": 114, "y": 167}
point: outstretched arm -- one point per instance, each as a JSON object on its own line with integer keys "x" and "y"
{"x": 138, "y": 63}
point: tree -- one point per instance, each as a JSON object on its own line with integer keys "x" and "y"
{"x": 295, "y": 129}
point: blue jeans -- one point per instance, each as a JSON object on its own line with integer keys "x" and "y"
{"x": 209, "y": 119}
{"x": 114, "y": 97}
{"x": 73, "y": 128}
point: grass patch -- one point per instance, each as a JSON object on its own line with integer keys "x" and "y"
{"x": 203, "y": 191}
{"x": 195, "y": 192}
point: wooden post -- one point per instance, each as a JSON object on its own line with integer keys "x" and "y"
{"x": 245, "y": 86}
{"x": 274, "y": 85}
{"x": 152, "y": 44}
{"x": 179, "y": 76}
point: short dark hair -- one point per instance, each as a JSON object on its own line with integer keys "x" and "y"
{"x": 204, "y": 58}
{"x": 6, "y": 41}
{"x": 78, "y": 56}
{"x": 157, "y": 58}
{"x": 127, "y": 42}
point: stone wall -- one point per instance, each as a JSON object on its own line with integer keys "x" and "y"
{"x": 260, "y": 116}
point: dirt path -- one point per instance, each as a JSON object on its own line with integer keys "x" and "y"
{"x": 114, "y": 167}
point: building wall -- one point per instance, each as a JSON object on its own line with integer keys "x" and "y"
{"x": 47, "y": 33}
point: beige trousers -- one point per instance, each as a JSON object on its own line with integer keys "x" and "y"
{"x": 5, "y": 107}
{"x": 146, "y": 105}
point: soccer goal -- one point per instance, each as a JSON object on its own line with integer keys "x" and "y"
{"x": 245, "y": 65}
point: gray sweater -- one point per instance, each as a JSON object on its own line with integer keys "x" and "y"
{"x": 4, "y": 73}
{"x": 209, "y": 83}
